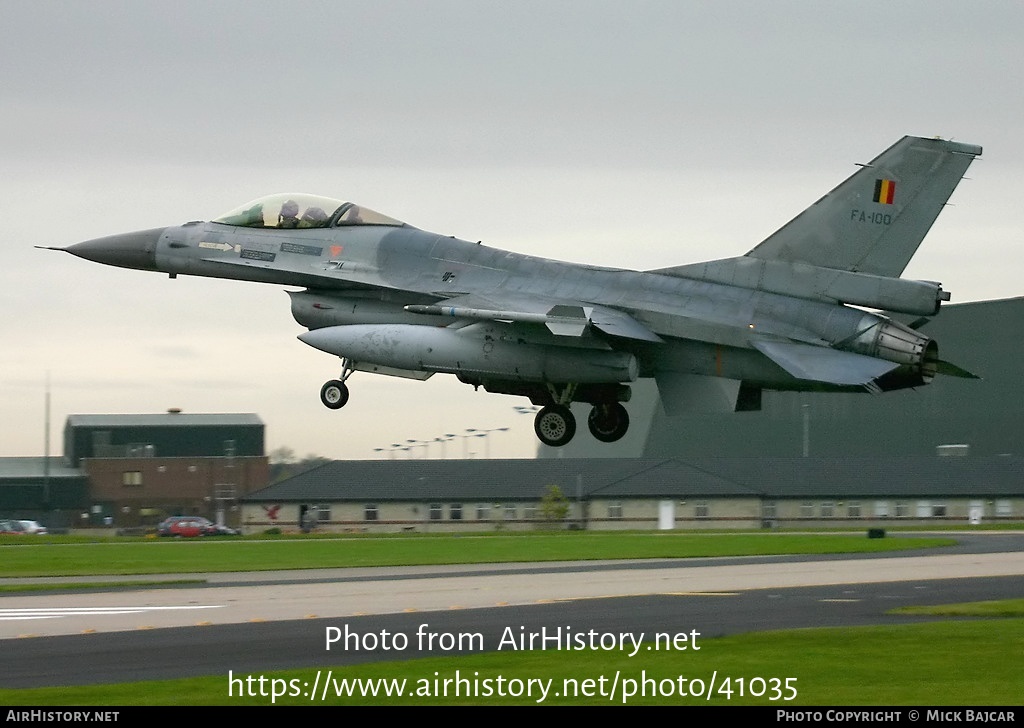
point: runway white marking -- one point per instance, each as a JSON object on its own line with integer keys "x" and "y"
{"x": 7, "y": 615}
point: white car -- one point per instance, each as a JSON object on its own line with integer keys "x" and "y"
{"x": 34, "y": 527}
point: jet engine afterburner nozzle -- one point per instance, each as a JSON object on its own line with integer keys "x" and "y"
{"x": 917, "y": 354}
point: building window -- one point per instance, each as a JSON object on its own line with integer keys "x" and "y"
{"x": 323, "y": 512}
{"x": 701, "y": 509}
{"x": 483, "y": 512}
{"x": 938, "y": 510}
{"x": 455, "y": 512}
{"x": 1003, "y": 509}
{"x": 436, "y": 511}
{"x": 924, "y": 509}
{"x": 370, "y": 512}
{"x": 615, "y": 509}
{"x": 807, "y": 510}
{"x": 510, "y": 511}
{"x": 828, "y": 510}
{"x": 853, "y": 509}
{"x": 530, "y": 513}
{"x": 902, "y": 509}
{"x": 131, "y": 478}
{"x": 881, "y": 509}
{"x": 769, "y": 509}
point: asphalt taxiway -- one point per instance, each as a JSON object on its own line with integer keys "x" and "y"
{"x": 259, "y": 621}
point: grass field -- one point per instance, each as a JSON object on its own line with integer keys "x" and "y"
{"x": 967, "y": 663}
{"x": 975, "y": 660}
{"x": 118, "y": 557}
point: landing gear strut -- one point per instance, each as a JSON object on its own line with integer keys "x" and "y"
{"x": 334, "y": 394}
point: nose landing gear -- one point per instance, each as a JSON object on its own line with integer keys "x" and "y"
{"x": 334, "y": 394}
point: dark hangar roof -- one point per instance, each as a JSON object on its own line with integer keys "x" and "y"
{"x": 166, "y": 419}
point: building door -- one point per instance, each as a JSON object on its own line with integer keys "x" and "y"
{"x": 666, "y": 515}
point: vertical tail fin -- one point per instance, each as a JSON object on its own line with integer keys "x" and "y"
{"x": 875, "y": 220}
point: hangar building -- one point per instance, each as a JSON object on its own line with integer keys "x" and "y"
{"x": 645, "y": 493}
{"x": 130, "y": 470}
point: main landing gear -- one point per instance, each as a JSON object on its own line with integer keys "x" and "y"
{"x": 608, "y": 422}
{"x": 334, "y": 394}
{"x": 555, "y": 424}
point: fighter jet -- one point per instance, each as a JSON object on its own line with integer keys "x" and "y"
{"x": 811, "y": 308}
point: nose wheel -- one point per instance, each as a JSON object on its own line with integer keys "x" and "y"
{"x": 555, "y": 425}
{"x": 334, "y": 394}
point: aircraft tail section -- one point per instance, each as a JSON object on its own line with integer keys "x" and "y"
{"x": 874, "y": 221}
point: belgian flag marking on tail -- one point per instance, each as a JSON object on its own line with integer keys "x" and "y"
{"x": 885, "y": 191}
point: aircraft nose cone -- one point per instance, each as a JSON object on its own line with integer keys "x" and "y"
{"x": 128, "y": 250}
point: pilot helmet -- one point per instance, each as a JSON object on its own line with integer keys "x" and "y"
{"x": 290, "y": 208}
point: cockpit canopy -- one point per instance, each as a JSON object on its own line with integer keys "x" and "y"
{"x": 288, "y": 211}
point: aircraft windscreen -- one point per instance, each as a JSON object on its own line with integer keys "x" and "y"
{"x": 297, "y": 211}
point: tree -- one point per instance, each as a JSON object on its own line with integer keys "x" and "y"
{"x": 284, "y": 464}
{"x": 282, "y": 456}
{"x": 554, "y": 506}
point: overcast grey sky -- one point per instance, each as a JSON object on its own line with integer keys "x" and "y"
{"x": 641, "y": 135}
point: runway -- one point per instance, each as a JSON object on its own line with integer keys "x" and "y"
{"x": 276, "y": 620}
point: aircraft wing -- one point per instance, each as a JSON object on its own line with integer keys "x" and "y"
{"x": 562, "y": 318}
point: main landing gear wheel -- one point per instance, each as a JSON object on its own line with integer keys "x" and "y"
{"x": 555, "y": 425}
{"x": 334, "y": 394}
{"x": 608, "y": 422}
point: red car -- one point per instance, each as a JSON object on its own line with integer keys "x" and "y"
{"x": 184, "y": 526}
{"x": 191, "y": 526}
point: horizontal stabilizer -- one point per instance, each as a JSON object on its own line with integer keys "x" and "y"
{"x": 822, "y": 364}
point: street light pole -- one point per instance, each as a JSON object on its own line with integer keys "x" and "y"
{"x": 484, "y": 434}
{"x": 443, "y": 441}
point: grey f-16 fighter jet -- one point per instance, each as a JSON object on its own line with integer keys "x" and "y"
{"x": 791, "y": 314}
